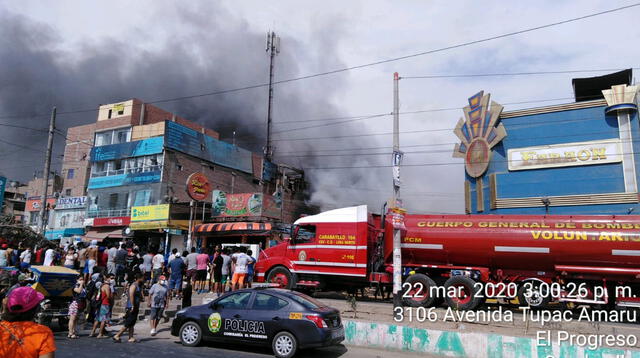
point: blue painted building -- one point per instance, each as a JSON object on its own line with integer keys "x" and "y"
{"x": 576, "y": 158}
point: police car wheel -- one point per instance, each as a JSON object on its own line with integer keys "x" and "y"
{"x": 284, "y": 345}
{"x": 190, "y": 334}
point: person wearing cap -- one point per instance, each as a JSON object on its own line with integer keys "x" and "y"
{"x": 176, "y": 271}
{"x": 157, "y": 302}
{"x": 20, "y": 336}
{"x": 21, "y": 281}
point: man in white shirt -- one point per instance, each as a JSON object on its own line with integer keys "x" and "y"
{"x": 25, "y": 258}
{"x": 242, "y": 261}
{"x": 49, "y": 255}
{"x": 157, "y": 264}
{"x": 111, "y": 255}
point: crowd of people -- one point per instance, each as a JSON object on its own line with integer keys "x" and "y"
{"x": 145, "y": 276}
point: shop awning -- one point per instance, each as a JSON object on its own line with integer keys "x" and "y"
{"x": 239, "y": 226}
{"x": 102, "y": 234}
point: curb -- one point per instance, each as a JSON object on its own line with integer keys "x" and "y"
{"x": 465, "y": 345}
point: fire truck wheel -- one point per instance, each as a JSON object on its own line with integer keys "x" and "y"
{"x": 416, "y": 291}
{"x": 462, "y": 293}
{"x": 531, "y": 295}
{"x": 282, "y": 276}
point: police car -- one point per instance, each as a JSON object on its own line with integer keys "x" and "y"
{"x": 285, "y": 320}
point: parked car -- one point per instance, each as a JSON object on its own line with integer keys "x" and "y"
{"x": 284, "y": 320}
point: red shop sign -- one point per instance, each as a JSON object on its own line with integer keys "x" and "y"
{"x": 113, "y": 221}
{"x": 198, "y": 186}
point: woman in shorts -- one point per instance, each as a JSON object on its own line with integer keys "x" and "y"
{"x": 76, "y": 306}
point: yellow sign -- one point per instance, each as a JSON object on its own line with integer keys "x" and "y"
{"x": 146, "y": 225}
{"x": 162, "y": 224}
{"x": 295, "y": 315}
{"x": 151, "y": 212}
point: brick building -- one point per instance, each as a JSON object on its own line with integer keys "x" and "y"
{"x": 132, "y": 165}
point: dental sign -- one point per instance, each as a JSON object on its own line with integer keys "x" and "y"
{"x": 566, "y": 155}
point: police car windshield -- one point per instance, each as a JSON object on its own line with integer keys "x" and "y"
{"x": 306, "y": 301}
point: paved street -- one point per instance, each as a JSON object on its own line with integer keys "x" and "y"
{"x": 165, "y": 345}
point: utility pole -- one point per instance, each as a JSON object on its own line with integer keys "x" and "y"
{"x": 395, "y": 207}
{"x": 273, "y": 48}
{"x": 47, "y": 168}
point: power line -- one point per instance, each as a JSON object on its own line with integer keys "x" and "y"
{"x": 511, "y": 74}
{"x": 432, "y": 164}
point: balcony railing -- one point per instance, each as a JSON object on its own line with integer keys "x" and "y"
{"x": 108, "y": 213}
{"x": 111, "y": 172}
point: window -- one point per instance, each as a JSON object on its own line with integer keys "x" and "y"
{"x": 179, "y": 167}
{"x": 121, "y": 135}
{"x": 266, "y": 302}
{"x": 306, "y": 301}
{"x": 114, "y": 136}
{"x": 145, "y": 163}
{"x": 67, "y": 192}
{"x": 103, "y": 138}
{"x": 109, "y": 115}
{"x": 70, "y": 173}
{"x": 236, "y": 301}
{"x": 306, "y": 233}
{"x": 142, "y": 197}
{"x": 113, "y": 201}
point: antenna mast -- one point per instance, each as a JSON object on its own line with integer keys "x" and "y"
{"x": 273, "y": 48}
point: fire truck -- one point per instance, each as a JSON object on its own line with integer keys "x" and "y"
{"x": 465, "y": 259}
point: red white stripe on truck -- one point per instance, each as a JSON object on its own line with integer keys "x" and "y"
{"x": 625, "y": 252}
{"x": 422, "y": 246}
{"x": 329, "y": 273}
{"x": 320, "y": 263}
{"x": 341, "y": 247}
{"x": 534, "y": 250}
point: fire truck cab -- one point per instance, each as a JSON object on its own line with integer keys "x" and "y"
{"x": 323, "y": 249}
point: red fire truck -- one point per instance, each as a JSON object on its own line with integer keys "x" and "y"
{"x": 465, "y": 259}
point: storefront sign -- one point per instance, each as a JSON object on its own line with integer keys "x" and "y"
{"x": 72, "y": 202}
{"x": 112, "y": 221}
{"x": 150, "y": 212}
{"x": 59, "y": 234}
{"x": 138, "y": 148}
{"x": 125, "y": 179}
{"x": 565, "y": 155}
{"x": 34, "y": 204}
{"x": 147, "y": 225}
{"x": 198, "y": 186}
{"x": 479, "y": 132}
{"x": 245, "y": 204}
{"x": 175, "y": 227}
{"x": 70, "y": 218}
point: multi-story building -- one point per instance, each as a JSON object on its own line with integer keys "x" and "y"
{"x": 13, "y": 200}
{"x": 34, "y": 193}
{"x": 133, "y": 165}
{"x": 570, "y": 159}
